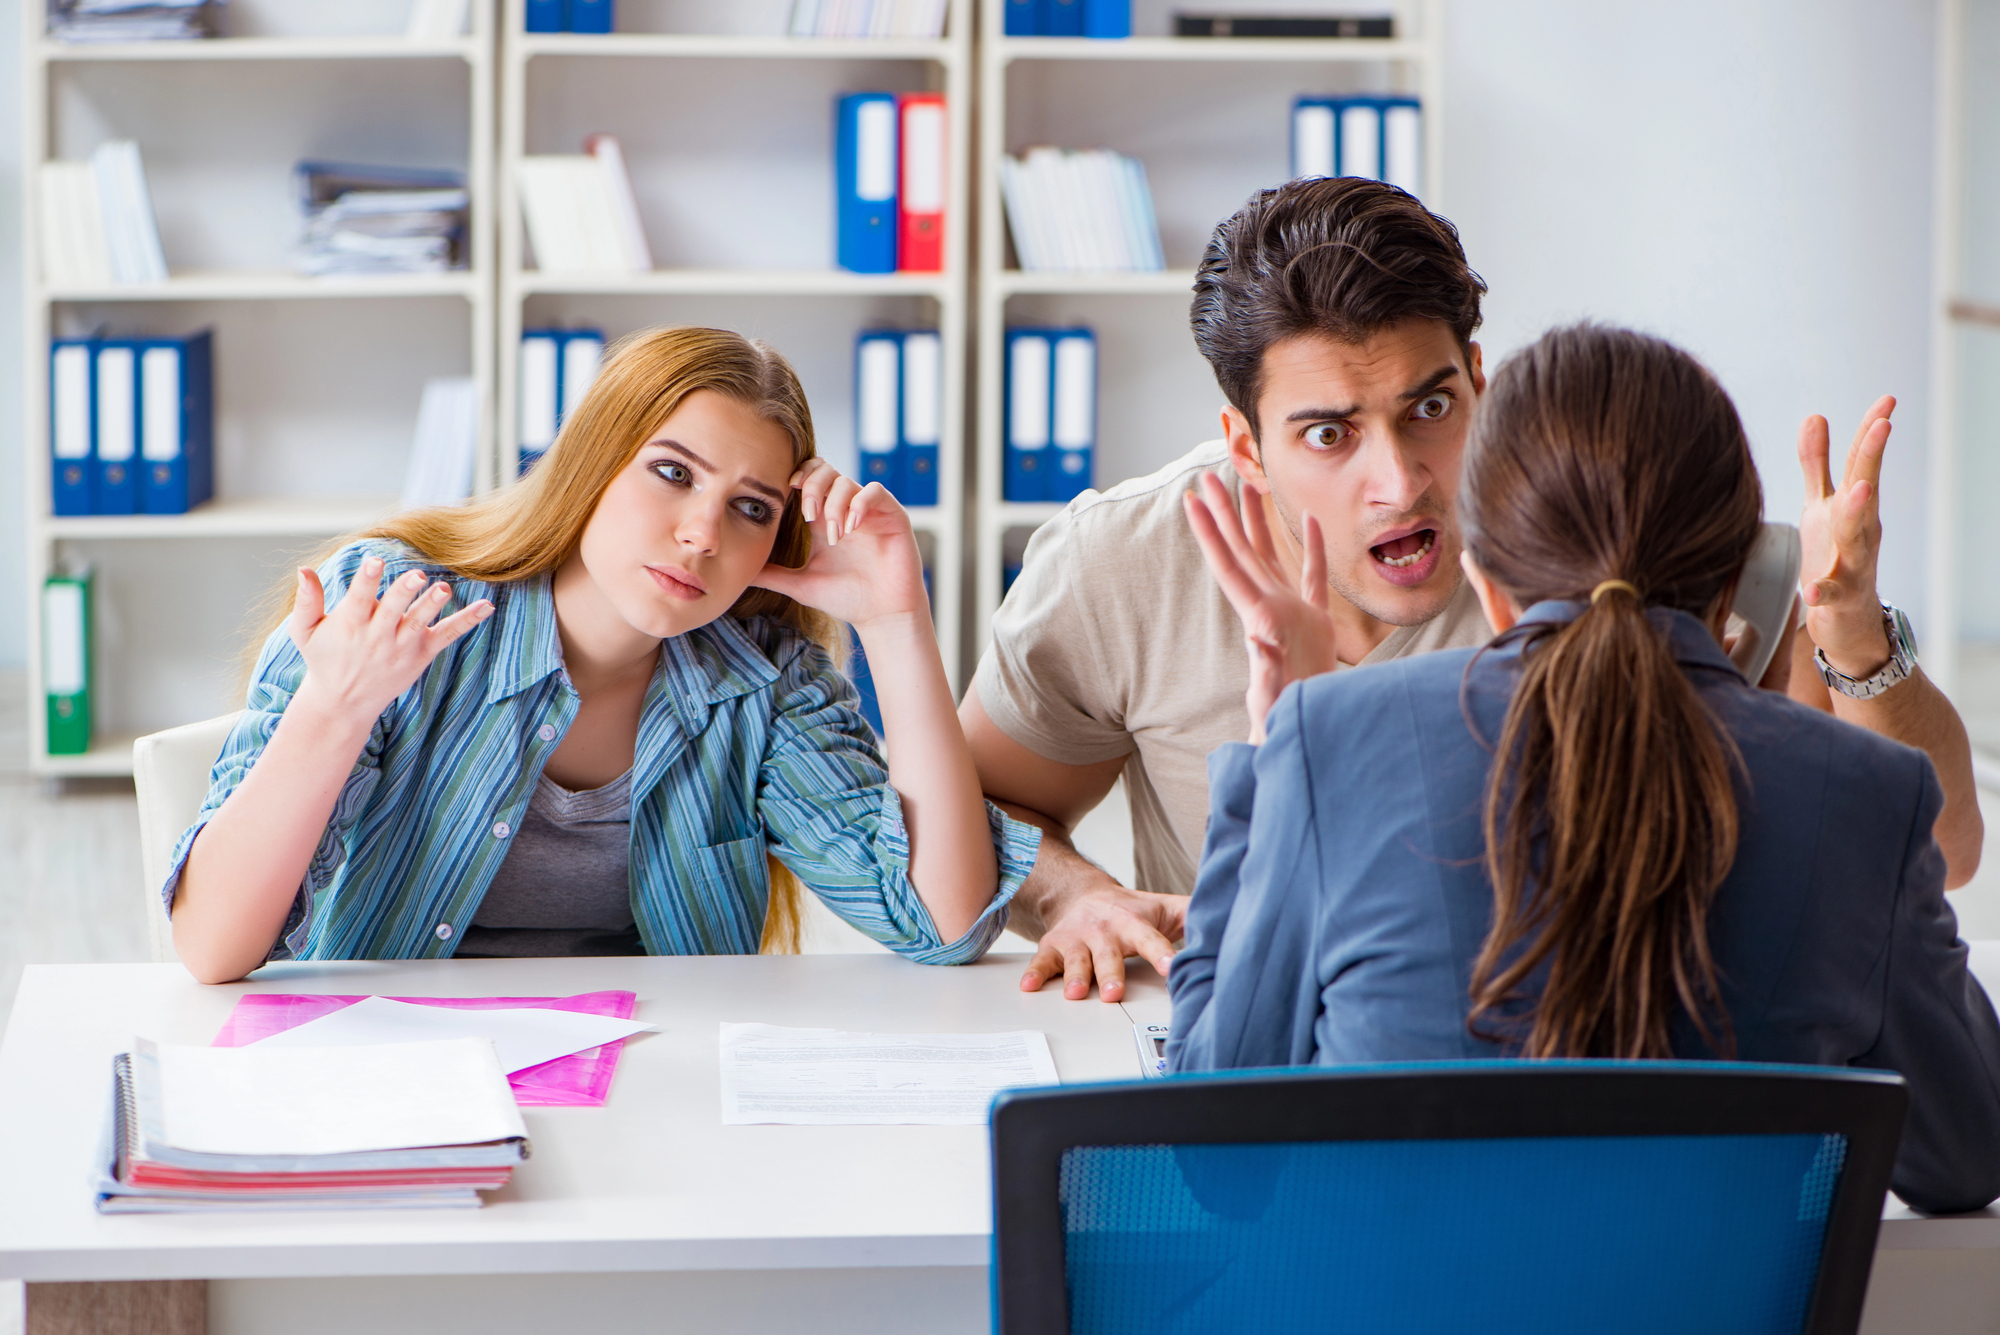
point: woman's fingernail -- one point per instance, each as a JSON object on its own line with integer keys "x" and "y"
{"x": 485, "y": 610}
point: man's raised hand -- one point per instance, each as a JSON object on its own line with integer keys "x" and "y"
{"x": 1288, "y": 632}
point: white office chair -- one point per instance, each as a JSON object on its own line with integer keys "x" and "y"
{"x": 170, "y": 772}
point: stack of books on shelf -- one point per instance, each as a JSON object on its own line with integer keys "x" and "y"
{"x": 1068, "y": 18}
{"x": 890, "y": 175}
{"x": 384, "y": 1126}
{"x": 580, "y": 211}
{"x": 1380, "y": 138}
{"x": 97, "y": 221}
{"x": 131, "y": 425}
{"x": 557, "y": 368}
{"x": 868, "y": 18}
{"x": 134, "y": 20}
{"x": 447, "y": 439}
{"x": 570, "y": 16}
{"x": 899, "y": 411}
{"x": 66, "y": 659}
{"x": 380, "y": 220}
{"x": 1080, "y": 210}
{"x": 1051, "y": 414}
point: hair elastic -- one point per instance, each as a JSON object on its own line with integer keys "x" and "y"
{"x": 1607, "y": 586}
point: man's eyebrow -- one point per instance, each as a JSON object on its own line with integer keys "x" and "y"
{"x": 1322, "y": 414}
{"x": 708, "y": 467}
{"x": 1437, "y": 378}
{"x": 1430, "y": 385}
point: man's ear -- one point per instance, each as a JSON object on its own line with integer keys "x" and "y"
{"x": 1244, "y": 454}
{"x": 1478, "y": 368}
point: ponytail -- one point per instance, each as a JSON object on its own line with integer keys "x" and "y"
{"x": 1610, "y": 815}
{"x": 1610, "y": 821}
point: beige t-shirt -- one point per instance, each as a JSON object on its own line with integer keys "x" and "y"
{"x": 1116, "y": 641}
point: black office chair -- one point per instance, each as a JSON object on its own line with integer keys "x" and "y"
{"x": 1697, "y": 1198}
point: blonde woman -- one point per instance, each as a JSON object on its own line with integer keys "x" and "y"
{"x": 630, "y": 736}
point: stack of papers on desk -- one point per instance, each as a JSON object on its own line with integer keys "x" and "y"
{"x": 401, "y": 1124}
{"x": 824, "y": 1077}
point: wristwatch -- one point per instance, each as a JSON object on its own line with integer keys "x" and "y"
{"x": 1902, "y": 661}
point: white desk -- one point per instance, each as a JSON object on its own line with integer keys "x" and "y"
{"x": 647, "y": 1214}
{"x": 643, "y": 1207}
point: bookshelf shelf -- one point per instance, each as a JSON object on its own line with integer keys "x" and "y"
{"x": 315, "y": 402}
{"x": 723, "y": 46}
{"x": 1229, "y": 50}
{"x": 250, "y": 517}
{"x": 724, "y": 282}
{"x": 223, "y": 285}
{"x": 258, "y": 48}
{"x": 1021, "y": 282}
{"x": 109, "y": 757}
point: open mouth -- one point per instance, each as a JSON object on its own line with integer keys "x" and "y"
{"x": 1407, "y": 551}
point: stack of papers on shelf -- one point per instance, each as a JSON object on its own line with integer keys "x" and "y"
{"x": 272, "y": 1128}
{"x": 824, "y": 1077}
{"x": 134, "y": 20}
{"x": 441, "y": 456}
{"x": 97, "y": 221}
{"x": 868, "y": 18}
{"x": 582, "y": 216}
{"x": 437, "y": 20}
{"x": 1088, "y": 209}
{"x": 377, "y": 220}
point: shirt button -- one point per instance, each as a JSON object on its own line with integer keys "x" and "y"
{"x": 501, "y": 829}
{"x": 444, "y": 931}
{"x": 547, "y": 732}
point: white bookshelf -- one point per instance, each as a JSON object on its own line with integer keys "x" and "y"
{"x": 1211, "y": 119}
{"x": 316, "y": 380}
{"x": 727, "y": 128}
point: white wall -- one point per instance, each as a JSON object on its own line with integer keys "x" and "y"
{"x": 1748, "y": 177}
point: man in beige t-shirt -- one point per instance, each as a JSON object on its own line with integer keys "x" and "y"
{"x": 1338, "y": 318}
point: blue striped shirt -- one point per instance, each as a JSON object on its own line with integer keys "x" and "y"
{"x": 749, "y": 741}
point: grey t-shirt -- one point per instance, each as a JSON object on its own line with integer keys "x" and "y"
{"x": 565, "y": 887}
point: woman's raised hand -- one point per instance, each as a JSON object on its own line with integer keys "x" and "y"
{"x": 865, "y": 566}
{"x": 368, "y": 650}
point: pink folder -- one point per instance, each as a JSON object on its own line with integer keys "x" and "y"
{"x": 580, "y": 1080}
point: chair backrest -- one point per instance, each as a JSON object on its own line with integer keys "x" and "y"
{"x": 1546, "y": 1197}
{"x": 170, "y": 774}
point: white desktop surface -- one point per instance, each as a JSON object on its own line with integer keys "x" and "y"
{"x": 652, "y": 1181}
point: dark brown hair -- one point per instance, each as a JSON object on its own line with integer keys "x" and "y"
{"x": 1610, "y": 815}
{"x": 1344, "y": 257}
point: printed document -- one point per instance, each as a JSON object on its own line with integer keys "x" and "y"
{"x": 523, "y": 1036}
{"x": 825, "y": 1077}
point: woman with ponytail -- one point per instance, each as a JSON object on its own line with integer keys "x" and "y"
{"x": 1591, "y": 838}
{"x": 630, "y": 737}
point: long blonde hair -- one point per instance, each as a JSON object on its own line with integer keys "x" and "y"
{"x": 529, "y": 529}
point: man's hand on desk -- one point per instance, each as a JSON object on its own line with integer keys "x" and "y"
{"x": 1092, "y": 928}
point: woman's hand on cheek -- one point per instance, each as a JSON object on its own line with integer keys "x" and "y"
{"x": 865, "y": 566}
{"x": 369, "y": 650}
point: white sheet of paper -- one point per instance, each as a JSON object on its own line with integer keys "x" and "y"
{"x": 825, "y": 1077}
{"x": 248, "y": 1101}
{"x": 524, "y": 1036}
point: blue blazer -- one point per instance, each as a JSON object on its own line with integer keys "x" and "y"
{"x": 1342, "y": 899}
